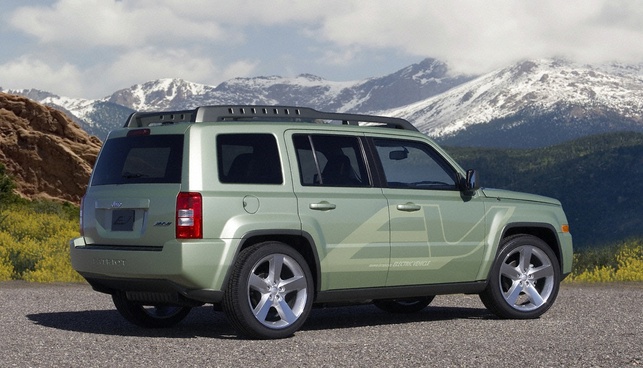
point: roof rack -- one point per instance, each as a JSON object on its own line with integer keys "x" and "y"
{"x": 262, "y": 113}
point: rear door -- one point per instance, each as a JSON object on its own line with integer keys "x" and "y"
{"x": 132, "y": 195}
{"x": 339, "y": 206}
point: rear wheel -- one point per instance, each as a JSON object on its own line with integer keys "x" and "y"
{"x": 270, "y": 292}
{"x": 149, "y": 316}
{"x": 404, "y": 305}
{"x": 524, "y": 280}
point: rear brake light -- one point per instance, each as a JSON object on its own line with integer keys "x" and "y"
{"x": 138, "y": 132}
{"x": 189, "y": 216}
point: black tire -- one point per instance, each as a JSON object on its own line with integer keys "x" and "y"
{"x": 153, "y": 316}
{"x": 524, "y": 279}
{"x": 404, "y": 305}
{"x": 270, "y": 291}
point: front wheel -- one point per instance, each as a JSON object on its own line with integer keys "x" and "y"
{"x": 524, "y": 280}
{"x": 270, "y": 292}
{"x": 152, "y": 316}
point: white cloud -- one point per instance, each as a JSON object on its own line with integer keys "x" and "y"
{"x": 99, "y": 23}
{"x": 241, "y": 68}
{"x": 96, "y": 46}
{"x": 139, "y": 66}
{"x": 254, "y": 12}
{"x": 30, "y": 72}
{"x": 474, "y": 36}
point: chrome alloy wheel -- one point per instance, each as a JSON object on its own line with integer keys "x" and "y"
{"x": 526, "y": 278}
{"x": 277, "y": 291}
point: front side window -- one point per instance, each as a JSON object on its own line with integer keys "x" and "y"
{"x": 330, "y": 160}
{"x": 248, "y": 159}
{"x": 140, "y": 160}
{"x": 414, "y": 165}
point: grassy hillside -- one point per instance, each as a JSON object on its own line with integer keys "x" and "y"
{"x": 609, "y": 263}
{"x": 34, "y": 241}
{"x": 598, "y": 179}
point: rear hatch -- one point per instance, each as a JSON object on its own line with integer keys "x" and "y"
{"x": 131, "y": 199}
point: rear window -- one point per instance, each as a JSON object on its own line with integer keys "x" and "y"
{"x": 140, "y": 160}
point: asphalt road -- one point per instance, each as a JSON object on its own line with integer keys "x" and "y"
{"x": 71, "y": 325}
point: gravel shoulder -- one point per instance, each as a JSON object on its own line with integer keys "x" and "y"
{"x": 71, "y": 325}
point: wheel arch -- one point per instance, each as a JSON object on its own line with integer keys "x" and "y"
{"x": 544, "y": 231}
{"x": 298, "y": 240}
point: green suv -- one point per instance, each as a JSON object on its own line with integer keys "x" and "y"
{"x": 265, "y": 211}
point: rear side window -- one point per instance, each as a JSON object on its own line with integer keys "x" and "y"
{"x": 140, "y": 160}
{"x": 248, "y": 159}
{"x": 330, "y": 160}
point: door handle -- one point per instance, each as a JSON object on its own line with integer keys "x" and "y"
{"x": 409, "y": 207}
{"x": 322, "y": 206}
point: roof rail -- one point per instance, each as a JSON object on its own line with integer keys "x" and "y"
{"x": 262, "y": 112}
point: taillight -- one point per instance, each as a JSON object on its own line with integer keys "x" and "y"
{"x": 189, "y": 216}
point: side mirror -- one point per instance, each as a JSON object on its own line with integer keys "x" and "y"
{"x": 471, "y": 183}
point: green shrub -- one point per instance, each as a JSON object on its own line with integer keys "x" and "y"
{"x": 630, "y": 262}
{"x": 620, "y": 262}
{"x": 6, "y": 267}
{"x": 34, "y": 242}
{"x": 6, "y": 186}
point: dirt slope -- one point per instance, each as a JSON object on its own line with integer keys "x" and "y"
{"x": 47, "y": 154}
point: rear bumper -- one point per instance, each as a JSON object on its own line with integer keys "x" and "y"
{"x": 192, "y": 269}
{"x": 149, "y": 291}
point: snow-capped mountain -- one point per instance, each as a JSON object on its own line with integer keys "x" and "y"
{"x": 97, "y": 117}
{"x": 415, "y": 82}
{"x": 533, "y": 103}
{"x": 162, "y": 94}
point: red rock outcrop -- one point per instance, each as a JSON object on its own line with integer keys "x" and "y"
{"x": 47, "y": 154}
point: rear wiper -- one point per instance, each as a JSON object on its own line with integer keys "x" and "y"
{"x": 129, "y": 175}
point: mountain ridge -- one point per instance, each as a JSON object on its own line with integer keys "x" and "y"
{"x": 521, "y": 95}
{"x": 530, "y": 103}
{"x": 420, "y": 80}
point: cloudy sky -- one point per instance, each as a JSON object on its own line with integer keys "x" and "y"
{"x": 91, "y": 48}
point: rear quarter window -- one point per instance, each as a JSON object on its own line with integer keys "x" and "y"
{"x": 140, "y": 160}
{"x": 248, "y": 159}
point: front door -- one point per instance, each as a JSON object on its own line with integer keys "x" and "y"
{"x": 437, "y": 234}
